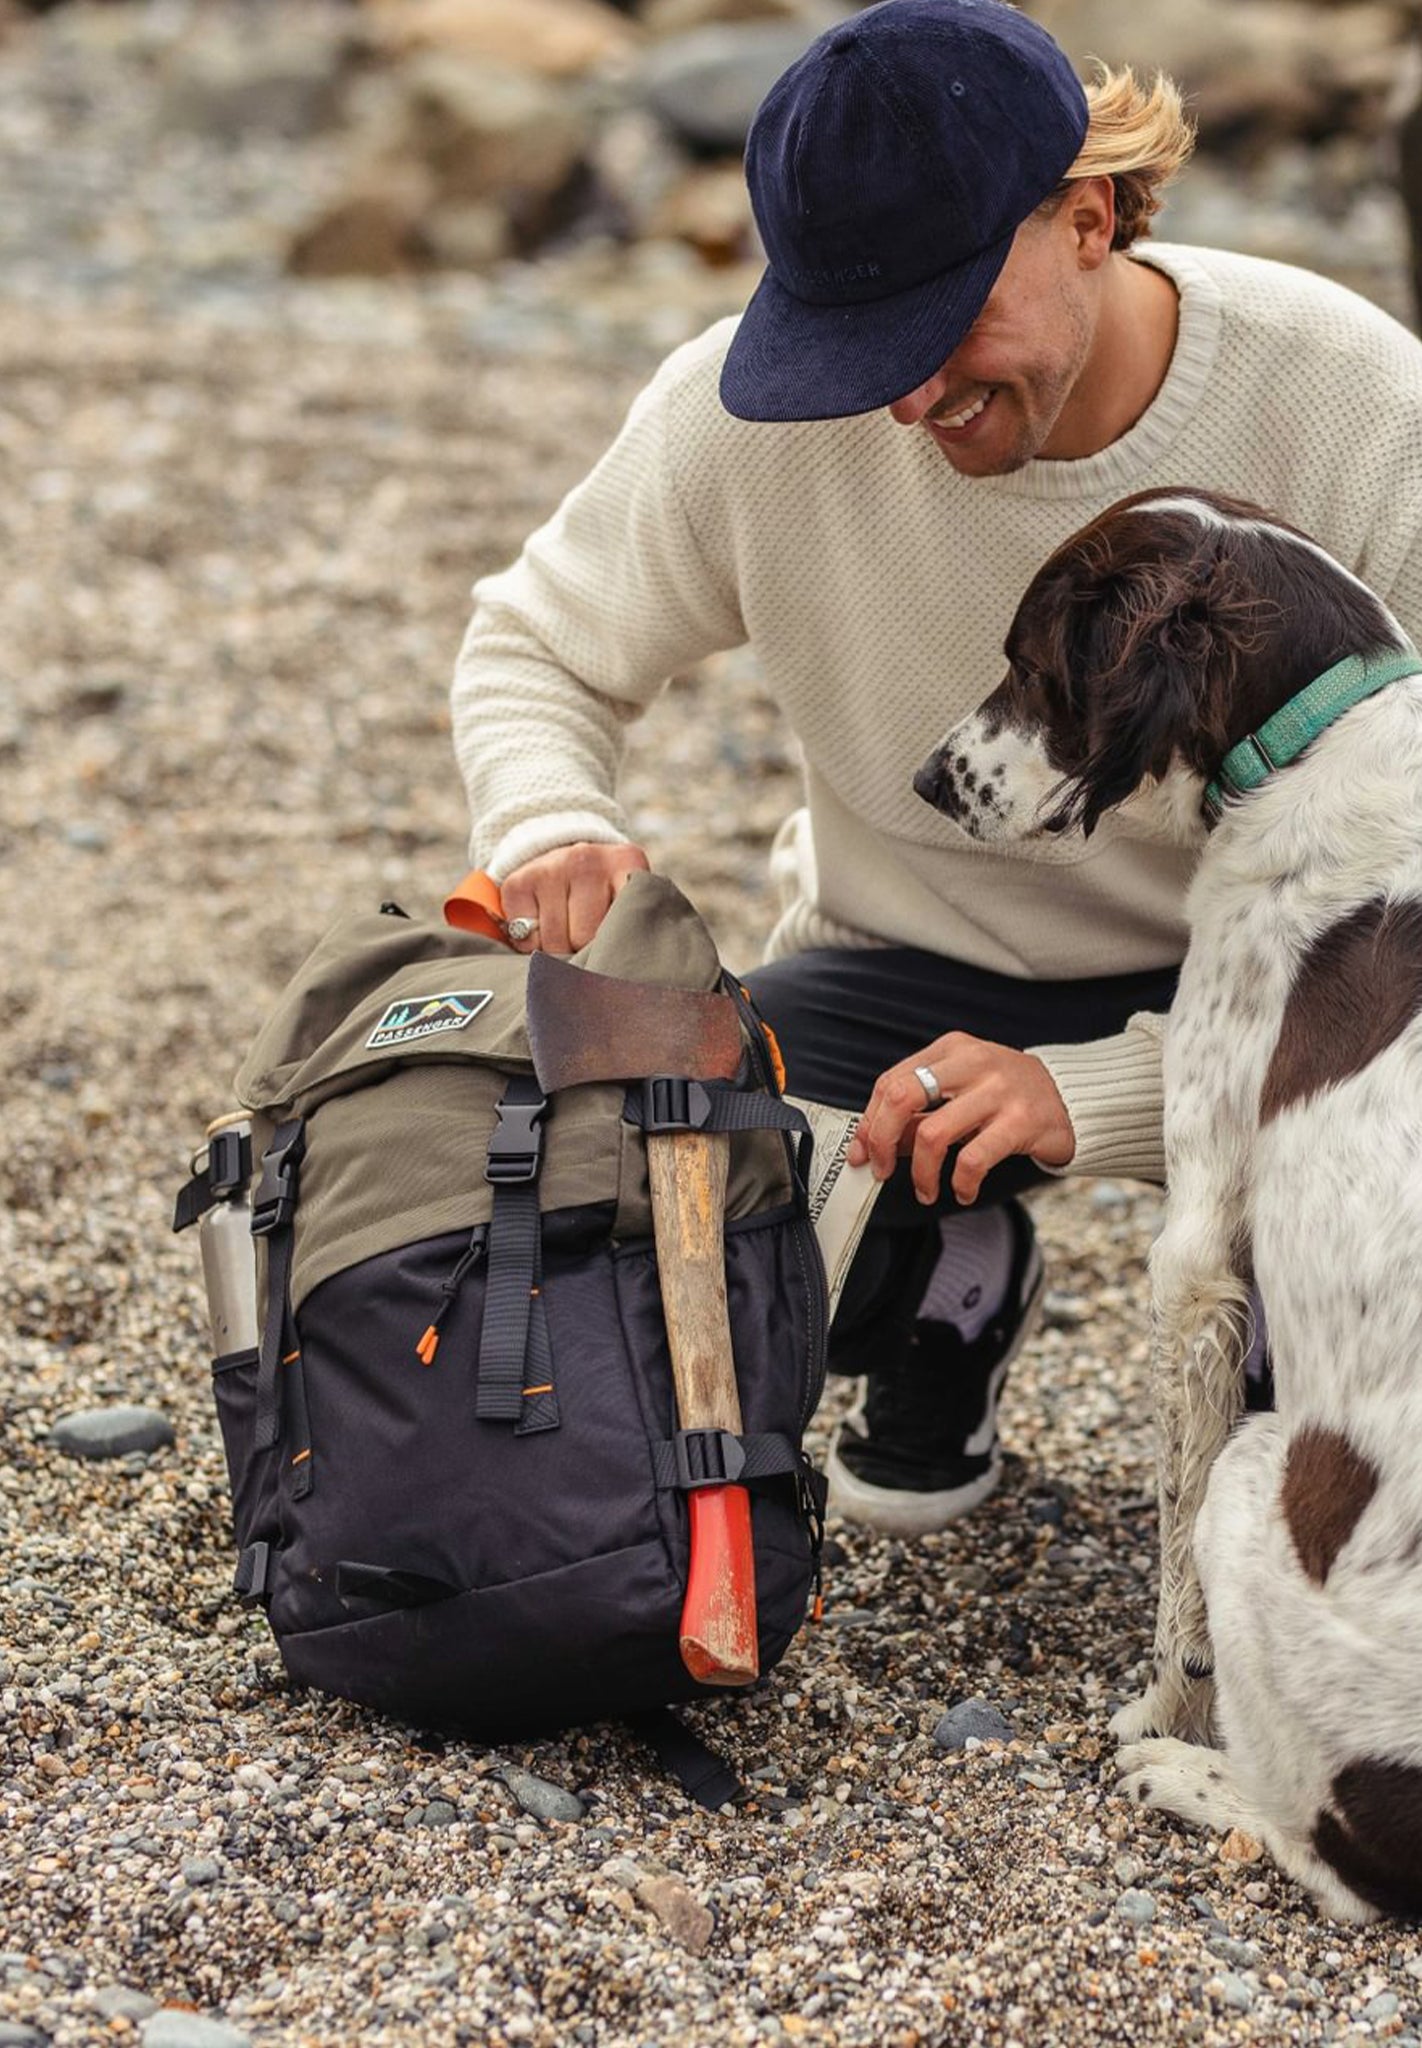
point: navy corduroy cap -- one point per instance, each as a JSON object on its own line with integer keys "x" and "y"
{"x": 889, "y": 169}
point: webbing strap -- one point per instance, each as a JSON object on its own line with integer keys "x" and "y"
{"x": 515, "y": 1355}
{"x": 768, "y": 1455}
{"x": 278, "y": 1338}
{"x": 667, "y": 1103}
{"x": 701, "y": 1774}
{"x": 228, "y": 1167}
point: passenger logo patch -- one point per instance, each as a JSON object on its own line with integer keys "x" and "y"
{"x": 421, "y": 1016}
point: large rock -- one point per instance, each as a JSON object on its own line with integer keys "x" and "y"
{"x": 676, "y": 17}
{"x": 488, "y": 131}
{"x": 221, "y": 81}
{"x": 376, "y": 230}
{"x": 636, "y": 165}
{"x": 710, "y": 209}
{"x": 706, "y": 85}
{"x": 111, "y": 1432}
{"x": 1255, "y": 72}
{"x": 559, "y": 38}
{"x": 462, "y": 163}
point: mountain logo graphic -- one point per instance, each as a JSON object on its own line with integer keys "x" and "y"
{"x": 421, "y": 1016}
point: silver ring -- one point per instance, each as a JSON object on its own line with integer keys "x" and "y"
{"x": 928, "y": 1082}
{"x": 521, "y": 928}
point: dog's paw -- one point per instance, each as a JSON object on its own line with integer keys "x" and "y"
{"x": 1171, "y": 1705}
{"x": 1183, "y": 1779}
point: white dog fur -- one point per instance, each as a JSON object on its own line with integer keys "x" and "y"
{"x": 1286, "y": 1690}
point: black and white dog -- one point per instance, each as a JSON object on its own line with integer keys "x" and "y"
{"x": 1143, "y": 657}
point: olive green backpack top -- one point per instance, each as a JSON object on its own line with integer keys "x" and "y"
{"x": 460, "y": 1489}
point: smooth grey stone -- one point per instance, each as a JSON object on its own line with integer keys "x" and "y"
{"x": 707, "y": 83}
{"x": 1382, "y": 2007}
{"x": 14, "y": 2035}
{"x": 542, "y": 1800}
{"x": 439, "y": 1814}
{"x": 972, "y": 1720}
{"x": 202, "y": 1870}
{"x": 1137, "y": 1907}
{"x": 111, "y": 1432}
{"x": 1243, "y": 1954}
{"x": 1065, "y": 1311}
{"x": 122, "y": 2002}
{"x": 86, "y": 838}
{"x": 1236, "y": 1993}
{"x": 170, "y": 2029}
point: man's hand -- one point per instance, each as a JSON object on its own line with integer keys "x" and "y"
{"x": 568, "y": 893}
{"x": 996, "y": 1102}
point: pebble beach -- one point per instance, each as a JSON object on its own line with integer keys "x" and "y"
{"x": 241, "y": 517}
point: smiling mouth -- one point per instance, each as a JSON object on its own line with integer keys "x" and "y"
{"x": 964, "y": 416}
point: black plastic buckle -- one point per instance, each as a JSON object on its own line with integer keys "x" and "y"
{"x": 707, "y": 1457}
{"x": 672, "y": 1103}
{"x": 274, "y": 1203}
{"x": 249, "y": 1580}
{"x": 229, "y": 1163}
{"x": 516, "y": 1146}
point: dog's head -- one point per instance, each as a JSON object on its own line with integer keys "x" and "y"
{"x": 1149, "y": 643}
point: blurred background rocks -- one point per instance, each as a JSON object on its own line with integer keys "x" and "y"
{"x": 557, "y": 153}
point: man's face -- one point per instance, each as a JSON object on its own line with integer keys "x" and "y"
{"x": 994, "y": 404}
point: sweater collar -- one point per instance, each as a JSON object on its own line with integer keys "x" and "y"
{"x": 1119, "y": 468}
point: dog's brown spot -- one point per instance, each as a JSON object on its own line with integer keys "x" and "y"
{"x": 1357, "y": 987}
{"x": 1374, "y": 1838}
{"x": 1327, "y": 1484}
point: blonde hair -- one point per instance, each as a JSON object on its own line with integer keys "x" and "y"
{"x": 1138, "y": 136}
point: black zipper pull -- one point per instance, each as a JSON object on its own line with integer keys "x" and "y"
{"x": 449, "y": 1287}
{"x": 810, "y": 1488}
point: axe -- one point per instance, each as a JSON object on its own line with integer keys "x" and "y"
{"x": 595, "y": 1027}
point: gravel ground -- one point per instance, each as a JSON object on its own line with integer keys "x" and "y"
{"x": 240, "y": 530}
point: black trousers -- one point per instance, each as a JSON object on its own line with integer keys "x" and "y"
{"x": 843, "y": 1016}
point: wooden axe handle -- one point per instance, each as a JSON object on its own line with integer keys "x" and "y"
{"x": 687, "y": 1170}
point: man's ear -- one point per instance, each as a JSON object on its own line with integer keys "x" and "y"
{"x": 1091, "y": 206}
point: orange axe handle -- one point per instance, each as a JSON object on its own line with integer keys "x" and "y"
{"x": 687, "y": 1170}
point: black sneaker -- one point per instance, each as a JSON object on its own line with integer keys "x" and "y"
{"x": 920, "y": 1448}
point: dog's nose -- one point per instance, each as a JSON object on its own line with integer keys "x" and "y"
{"x": 931, "y": 781}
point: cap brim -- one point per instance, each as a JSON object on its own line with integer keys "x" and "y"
{"x": 790, "y": 360}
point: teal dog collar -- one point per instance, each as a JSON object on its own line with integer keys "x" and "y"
{"x": 1283, "y": 737}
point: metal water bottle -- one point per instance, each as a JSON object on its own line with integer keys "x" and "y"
{"x": 229, "y": 1265}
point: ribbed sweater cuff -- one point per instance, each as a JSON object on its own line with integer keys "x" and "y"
{"x": 543, "y": 835}
{"x": 1114, "y": 1096}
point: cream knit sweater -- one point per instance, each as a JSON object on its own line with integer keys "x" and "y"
{"x": 876, "y": 586}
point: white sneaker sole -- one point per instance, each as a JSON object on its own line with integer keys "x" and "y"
{"x": 898, "y": 1511}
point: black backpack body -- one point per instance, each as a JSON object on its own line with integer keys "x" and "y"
{"x": 458, "y": 1482}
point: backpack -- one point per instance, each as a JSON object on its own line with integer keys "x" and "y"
{"x": 459, "y": 1488}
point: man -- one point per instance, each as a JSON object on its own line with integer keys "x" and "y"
{"x": 960, "y": 353}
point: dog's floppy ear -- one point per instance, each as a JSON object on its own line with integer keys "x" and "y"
{"x": 1156, "y": 647}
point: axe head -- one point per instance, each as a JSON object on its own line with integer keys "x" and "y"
{"x": 597, "y": 1027}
